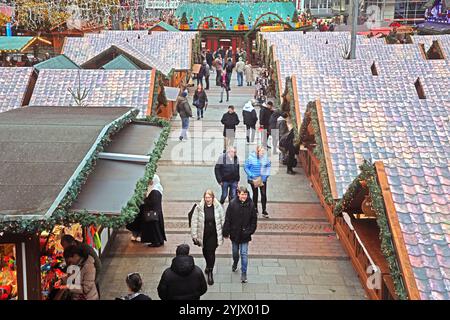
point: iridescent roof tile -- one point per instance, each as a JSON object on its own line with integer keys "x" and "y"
{"x": 13, "y": 87}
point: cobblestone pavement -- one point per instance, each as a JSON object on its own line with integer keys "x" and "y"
{"x": 293, "y": 255}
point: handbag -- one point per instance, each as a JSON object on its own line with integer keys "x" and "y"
{"x": 151, "y": 216}
{"x": 196, "y": 103}
{"x": 257, "y": 183}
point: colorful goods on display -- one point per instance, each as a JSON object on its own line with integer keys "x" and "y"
{"x": 8, "y": 273}
{"x": 438, "y": 11}
{"x": 13, "y": 87}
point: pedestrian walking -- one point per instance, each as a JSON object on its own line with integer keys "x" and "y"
{"x": 67, "y": 240}
{"x": 273, "y": 120}
{"x": 219, "y": 70}
{"x": 240, "y": 66}
{"x": 200, "y": 101}
{"x": 185, "y": 112}
{"x": 149, "y": 223}
{"x": 282, "y": 130}
{"x": 248, "y": 71}
{"x": 257, "y": 168}
{"x": 134, "y": 284}
{"x": 229, "y": 70}
{"x": 77, "y": 255}
{"x": 264, "y": 120}
{"x": 229, "y": 120}
{"x": 183, "y": 280}
{"x": 201, "y": 73}
{"x": 227, "y": 174}
{"x": 250, "y": 119}
{"x": 206, "y": 230}
{"x": 237, "y": 55}
{"x": 240, "y": 224}
{"x": 207, "y": 74}
{"x": 209, "y": 58}
{"x": 224, "y": 83}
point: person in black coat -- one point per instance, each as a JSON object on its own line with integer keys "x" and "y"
{"x": 200, "y": 101}
{"x": 229, "y": 120}
{"x": 183, "y": 280}
{"x": 240, "y": 223}
{"x": 229, "y": 69}
{"x": 134, "y": 284}
{"x": 250, "y": 119}
{"x": 287, "y": 142}
{"x": 150, "y": 232}
{"x": 227, "y": 174}
{"x": 264, "y": 121}
{"x": 201, "y": 73}
{"x": 209, "y": 58}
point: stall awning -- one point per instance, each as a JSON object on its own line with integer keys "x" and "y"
{"x": 120, "y": 63}
{"x": 165, "y": 26}
{"x": 18, "y": 44}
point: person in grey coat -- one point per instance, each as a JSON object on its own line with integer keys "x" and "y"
{"x": 206, "y": 229}
{"x": 185, "y": 112}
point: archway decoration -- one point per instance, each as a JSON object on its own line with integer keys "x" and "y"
{"x": 280, "y": 20}
{"x": 206, "y": 21}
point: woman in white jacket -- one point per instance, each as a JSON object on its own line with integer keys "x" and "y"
{"x": 206, "y": 229}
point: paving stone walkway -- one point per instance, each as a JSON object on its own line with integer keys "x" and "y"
{"x": 294, "y": 255}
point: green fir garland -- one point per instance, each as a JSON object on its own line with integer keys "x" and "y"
{"x": 368, "y": 175}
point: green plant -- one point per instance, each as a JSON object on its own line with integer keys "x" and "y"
{"x": 241, "y": 19}
{"x": 184, "y": 19}
{"x": 81, "y": 94}
{"x": 295, "y": 17}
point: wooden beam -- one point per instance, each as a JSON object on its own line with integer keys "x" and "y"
{"x": 298, "y": 114}
{"x": 397, "y": 234}
{"x": 326, "y": 150}
{"x": 277, "y": 70}
{"x": 150, "y": 95}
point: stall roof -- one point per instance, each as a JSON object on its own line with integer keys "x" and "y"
{"x": 14, "y": 86}
{"x": 112, "y": 184}
{"x": 42, "y": 149}
{"x": 58, "y": 62}
{"x": 108, "y": 88}
{"x": 18, "y": 44}
{"x": 120, "y": 63}
{"x": 165, "y": 26}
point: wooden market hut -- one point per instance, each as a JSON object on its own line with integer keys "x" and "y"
{"x": 377, "y": 214}
{"x": 21, "y": 45}
{"x": 38, "y": 195}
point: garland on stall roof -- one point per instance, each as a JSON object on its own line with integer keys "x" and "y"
{"x": 368, "y": 177}
{"x": 318, "y": 151}
{"x": 62, "y": 216}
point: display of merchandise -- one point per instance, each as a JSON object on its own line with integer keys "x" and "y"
{"x": 8, "y": 272}
{"x": 13, "y": 87}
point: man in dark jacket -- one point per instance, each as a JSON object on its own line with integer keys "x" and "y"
{"x": 227, "y": 174}
{"x": 273, "y": 129}
{"x": 240, "y": 224}
{"x": 209, "y": 58}
{"x": 229, "y": 69}
{"x": 201, "y": 73}
{"x": 250, "y": 119}
{"x": 264, "y": 121}
{"x": 184, "y": 110}
{"x": 229, "y": 120}
{"x": 287, "y": 142}
{"x": 183, "y": 280}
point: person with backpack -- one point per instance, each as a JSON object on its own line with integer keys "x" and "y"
{"x": 250, "y": 119}
{"x": 200, "y": 101}
{"x": 229, "y": 120}
{"x": 227, "y": 174}
{"x": 257, "y": 168}
{"x": 206, "y": 230}
{"x": 183, "y": 280}
{"x": 240, "y": 223}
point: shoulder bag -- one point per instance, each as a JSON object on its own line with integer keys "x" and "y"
{"x": 150, "y": 216}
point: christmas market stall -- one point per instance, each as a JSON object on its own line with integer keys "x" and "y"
{"x": 59, "y": 178}
{"x": 22, "y": 51}
{"x": 16, "y": 87}
{"x": 107, "y": 88}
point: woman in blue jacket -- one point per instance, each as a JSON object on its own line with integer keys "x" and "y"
{"x": 257, "y": 168}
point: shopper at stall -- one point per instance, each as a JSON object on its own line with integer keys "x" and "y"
{"x": 227, "y": 174}
{"x": 240, "y": 224}
{"x": 225, "y": 86}
{"x": 287, "y": 142}
{"x": 80, "y": 283}
{"x": 134, "y": 284}
{"x": 229, "y": 120}
{"x": 200, "y": 101}
{"x": 248, "y": 71}
{"x": 206, "y": 229}
{"x": 183, "y": 280}
{"x": 184, "y": 110}
{"x": 152, "y": 219}
{"x": 250, "y": 119}
{"x": 240, "y": 66}
{"x": 257, "y": 168}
